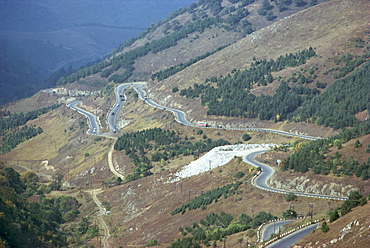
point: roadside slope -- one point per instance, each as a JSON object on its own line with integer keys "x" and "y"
{"x": 350, "y": 230}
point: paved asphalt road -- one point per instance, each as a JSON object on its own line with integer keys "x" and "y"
{"x": 259, "y": 181}
{"x": 267, "y": 172}
{"x": 180, "y": 117}
{"x": 120, "y": 99}
{"x": 112, "y": 114}
{"x": 269, "y": 229}
{"x": 94, "y": 127}
{"x": 291, "y": 239}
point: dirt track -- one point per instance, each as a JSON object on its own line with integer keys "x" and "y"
{"x": 101, "y": 212}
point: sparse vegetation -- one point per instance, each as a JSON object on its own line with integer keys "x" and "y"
{"x": 311, "y": 155}
{"x": 324, "y": 227}
{"x": 216, "y": 227}
{"x": 290, "y": 197}
{"x": 164, "y": 145}
{"x": 298, "y": 89}
{"x": 208, "y": 197}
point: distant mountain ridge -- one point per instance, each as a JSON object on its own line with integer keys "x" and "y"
{"x": 206, "y": 26}
{"x": 50, "y": 35}
{"x": 297, "y": 66}
{"x": 202, "y": 27}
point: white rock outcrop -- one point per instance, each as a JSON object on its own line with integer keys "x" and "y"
{"x": 216, "y": 157}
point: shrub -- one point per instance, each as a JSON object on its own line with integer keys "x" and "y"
{"x": 239, "y": 174}
{"x": 324, "y": 227}
{"x": 290, "y": 197}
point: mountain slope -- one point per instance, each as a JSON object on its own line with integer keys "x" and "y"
{"x": 204, "y": 25}
{"x": 309, "y": 28}
{"x": 350, "y": 230}
{"x": 178, "y": 39}
{"x": 50, "y": 35}
{"x": 141, "y": 209}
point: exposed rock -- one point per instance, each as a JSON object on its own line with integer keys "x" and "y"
{"x": 216, "y": 157}
{"x": 72, "y": 92}
{"x": 305, "y": 185}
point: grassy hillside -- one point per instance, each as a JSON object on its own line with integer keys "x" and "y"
{"x": 349, "y": 230}
{"x": 205, "y": 25}
{"x": 286, "y": 36}
{"x": 140, "y": 210}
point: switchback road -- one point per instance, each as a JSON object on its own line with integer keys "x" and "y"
{"x": 260, "y": 181}
{"x": 180, "y": 116}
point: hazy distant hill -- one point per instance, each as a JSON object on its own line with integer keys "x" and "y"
{"x": 50, "y": 35}
{"x": 249, "y": 59}
{"x": 300, "y": 66}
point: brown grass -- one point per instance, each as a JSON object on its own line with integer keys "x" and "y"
{"x": 312, "y": 27}
{"x": 357, "y": 237}
{"x": 142, "y": 207}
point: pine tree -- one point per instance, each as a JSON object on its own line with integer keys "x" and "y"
{"x": 334, "y": 216}
{"x": 324, "y": 227}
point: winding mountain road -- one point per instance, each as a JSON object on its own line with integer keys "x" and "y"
{"x": 259, "y": 181}
{"x": 266, "y": 172}
{"x": 180, "y": 116}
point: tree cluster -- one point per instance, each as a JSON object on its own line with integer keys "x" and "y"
{"x": 13, "y": 134}
{"x": 336, "y": 107}
{"x": 162, "y": 144}
{"x": 187, "y": 148}
{"x": 230, "y": 96}
{"x": 19, "y": 119}
{"x": 207, "y": 198}
{"x": 36, "y": 223}
{"x": 354, "y": 199}
{"x": 312, "y": 155}
{"x": 11, "y": 140}
{"x": 215, "y": 227}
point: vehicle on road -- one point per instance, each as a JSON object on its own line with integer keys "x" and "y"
{"x": 203, "y": 124}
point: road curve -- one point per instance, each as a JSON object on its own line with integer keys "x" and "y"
{"x": 112, "y": 114}
{"x": 272, "y": 228}
{"x": 260, "y": 181}
{"x": 180, "y": 117}
{"x": 93, "y": 124}
{"x": 291, "y": 239}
